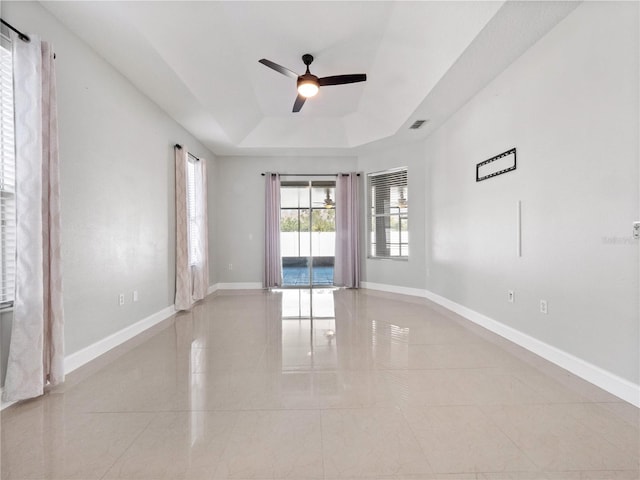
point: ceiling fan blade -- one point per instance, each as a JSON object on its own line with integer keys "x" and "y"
{"x": 278, "y": 68}
{"x": 342, "y": 79}
{"x": 297, "y": 105}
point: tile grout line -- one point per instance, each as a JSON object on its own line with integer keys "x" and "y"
{"x": 155, "y": 415}
{"x": 592, "y": 430}
{"x": 415, "y": 436}
{"x": 513, "y": 442}
{"x": 226, "y": 445}
{"x": 324, "y": 469}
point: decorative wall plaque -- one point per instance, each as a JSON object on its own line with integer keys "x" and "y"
{"x": 503, "y": 163}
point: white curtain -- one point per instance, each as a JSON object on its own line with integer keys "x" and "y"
{"x": 192, "y": 258}
{"x": 347, "y": 262}
{"x": 36, "y": 352}
{"x": 272, "y": 262}
{"x": 199, "y": 237}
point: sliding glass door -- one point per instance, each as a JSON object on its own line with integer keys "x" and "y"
{"x": 307, "y": 233}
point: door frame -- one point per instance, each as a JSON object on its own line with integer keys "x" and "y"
{"x": 309, "y": 184}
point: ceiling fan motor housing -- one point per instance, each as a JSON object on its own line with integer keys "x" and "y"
{"x": 307, "y": 78}
{"x": 307, "y": 59}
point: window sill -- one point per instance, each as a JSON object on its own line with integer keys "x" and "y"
{"x": 395, "y": 259}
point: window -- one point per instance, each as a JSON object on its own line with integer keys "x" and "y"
{"x": 7, "y": 177}
{"x": 195, "y": 210}
{"x": 388, "y": 217}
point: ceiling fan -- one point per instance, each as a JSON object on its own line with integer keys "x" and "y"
{"x": 328, "y": 202}
{"x": 308, "y": 84}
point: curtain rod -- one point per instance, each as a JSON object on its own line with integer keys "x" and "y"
{"x": 309, "y": 174}
{"x": 179, "y": 147}
{"x": 21, "y": 35}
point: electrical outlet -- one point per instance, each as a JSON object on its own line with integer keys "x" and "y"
{"x": 231, "y": 266}
{"x": 135, "y": 295}
{"x": 121, "y": 299}
{"x": 510, "y": 296}
{"x": 543, "y": 307}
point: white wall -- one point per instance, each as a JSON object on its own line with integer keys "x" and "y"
{"x": 570, "y": 106}
{"x": 116, "y": 153}
{"x": 238, "y": 203}
{"x": 409, "y": 273}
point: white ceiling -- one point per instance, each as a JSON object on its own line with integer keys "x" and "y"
{"x": 199, "y": 62}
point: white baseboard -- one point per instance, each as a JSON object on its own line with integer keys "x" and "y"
{"x": 608, "y": 381}
{"x": 93, "y": 351}
{"x": 618, "y": 386}
{"x": 414, "y": 292}
{"x": 239, "y": 286}
{"x": 82, "y": 357}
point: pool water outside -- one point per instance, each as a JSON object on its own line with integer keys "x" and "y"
{"x": 296, "y": 276}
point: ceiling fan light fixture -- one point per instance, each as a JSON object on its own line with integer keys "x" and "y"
{"x": 308, "y": 88}
{"x": 402, "y": 201}
{"x": 328, "y": 203}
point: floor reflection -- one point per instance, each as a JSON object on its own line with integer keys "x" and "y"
{"x": 307, "y": 303}
{"x": 319, "y": 384}
{"x": 308, "y": 329}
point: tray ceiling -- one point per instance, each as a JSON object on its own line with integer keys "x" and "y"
{"x": 199, "y": 62}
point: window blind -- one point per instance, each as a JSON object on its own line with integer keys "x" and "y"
{"x": 388, "y": 205}
{"x": 7, "y": 177}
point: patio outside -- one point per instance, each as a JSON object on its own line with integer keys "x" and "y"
{"x": 301, "y": 249}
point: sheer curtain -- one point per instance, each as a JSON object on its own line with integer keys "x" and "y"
{"x": 192, "y": 259}
{"x": 347, "y": 261}
{"x": 272, "y": 262}
{"x": 199, "y": 238}
{"x": 36, "y": 351}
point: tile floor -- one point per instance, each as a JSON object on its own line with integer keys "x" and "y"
{"x": 389, "y": 387}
